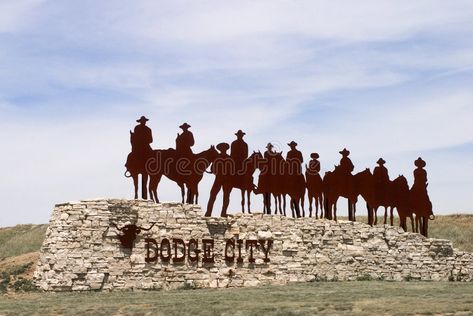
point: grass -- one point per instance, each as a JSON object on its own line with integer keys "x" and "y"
{"x": 325, "y": 298}
{"x": 21, "y": 239}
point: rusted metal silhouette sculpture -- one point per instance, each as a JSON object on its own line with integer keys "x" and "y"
{"x": 141, "y": 151}
{"x": 279, "y": 178}
{"x": 129, "y": 233}
{"x": 239, "y": 152}
{"x": 340, "y": 183}
{"x": 185, "y": 141}
{"x": 186, "y": 171}
{"x": 294, "y": 183}
{"x": 419, "y": 198}
{"x": 222, "y": 168}
{"x": 314, "y": 185}
{"x": 381, "y": 191}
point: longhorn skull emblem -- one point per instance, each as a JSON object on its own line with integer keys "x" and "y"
{"x": 129, "y": 233}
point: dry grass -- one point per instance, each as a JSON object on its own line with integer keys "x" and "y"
{"x": 21, "y": 239}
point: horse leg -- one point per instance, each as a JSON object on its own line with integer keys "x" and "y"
{"x": 412, "y": 222}
{"x": 310, "y": 207}
{"x": 280, "y": 204}
{"x": 248, "y": 193}
{"x": 144, "y": 186}
{"x": 426, "y": 226}
{"x": 135, "y": 184}
{"x": 391, "y": 218}
{"x": 284, "y": 201}
{"x": 183, "y": 192}
{"x": 354, "y": 212}
{"x": 417, "y": 223}
{"x": 350, "y": 211}
{"x": 375, "y": 215}
{"x": 385, "y": 215}
{"x": 242, "y": 201}
{"x": 296, "y": 206}
{"x": 302, "y": 206}
{"x": 335, "y": 211}
{"x": 226, "y": 201}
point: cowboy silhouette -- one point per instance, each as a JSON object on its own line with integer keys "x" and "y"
{"x": 185, "y": 141}
{"x": 346, "y": 166}
{"x": 142, "y": 137}
{"x": 380, "y": 173}
{"x": 141, "y": 151}
{"x": 314, "y": 164}
{"x": 420, "y": 175}
{"x": 294, "y": 157}
{"x": 239, "y": 152}
{"x": 419, "y": 198}
{"x": 220, "y": 170}
{"x": 381, "y": 186}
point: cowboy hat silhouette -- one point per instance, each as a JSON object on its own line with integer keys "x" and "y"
{"x": 184, "y": 126}
{"x": 344, "y": 152}
{"x": 381, "y": 161}
{"x": 314, "y": 155}
{"x": 240, "y": 133}
{"x": 142, "y": 119}
{"x": 293, "y": 143}
{"x": 420, "y": 163}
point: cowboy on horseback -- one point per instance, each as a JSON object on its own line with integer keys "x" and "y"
{"x": 295, "y": 159}
{"x": 141, "y": 151}
{"x": 346, "y": 166}
{"x": 314, "y": 165}
{"x": 185, "y": 141}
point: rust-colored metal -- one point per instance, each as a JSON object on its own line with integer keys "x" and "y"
{"x": 280, "y": 179}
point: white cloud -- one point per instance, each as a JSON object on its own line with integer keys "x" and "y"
{"x": 15, "y": 15}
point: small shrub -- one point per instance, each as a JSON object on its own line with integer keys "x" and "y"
{"x": 4, "y": 281}
{"x": 364, "y": 277}
{"x": 19, "y": 269}
{"x": 24, "y": 285}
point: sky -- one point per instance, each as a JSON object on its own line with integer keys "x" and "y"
{"x": 387, "y": 79}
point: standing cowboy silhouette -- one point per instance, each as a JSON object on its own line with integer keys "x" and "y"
{"x": 220, "y": 170}
{"x": 239, "y": 152}
{"x": 185, "y": 141}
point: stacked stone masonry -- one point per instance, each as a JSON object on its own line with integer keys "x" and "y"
{"x": 82, "y": 250}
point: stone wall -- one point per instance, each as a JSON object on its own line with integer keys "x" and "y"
{"x": 82, "y": 250}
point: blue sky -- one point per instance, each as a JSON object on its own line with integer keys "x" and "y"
{"x": 382, "y": 78}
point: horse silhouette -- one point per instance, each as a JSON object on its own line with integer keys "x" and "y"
{"x": 136, "y": 165}
{"x": 399, "y": 199}
{"x": 242, "y": 179}
{"x": 337, "y": 184}
{"x": 187, "y": 172}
